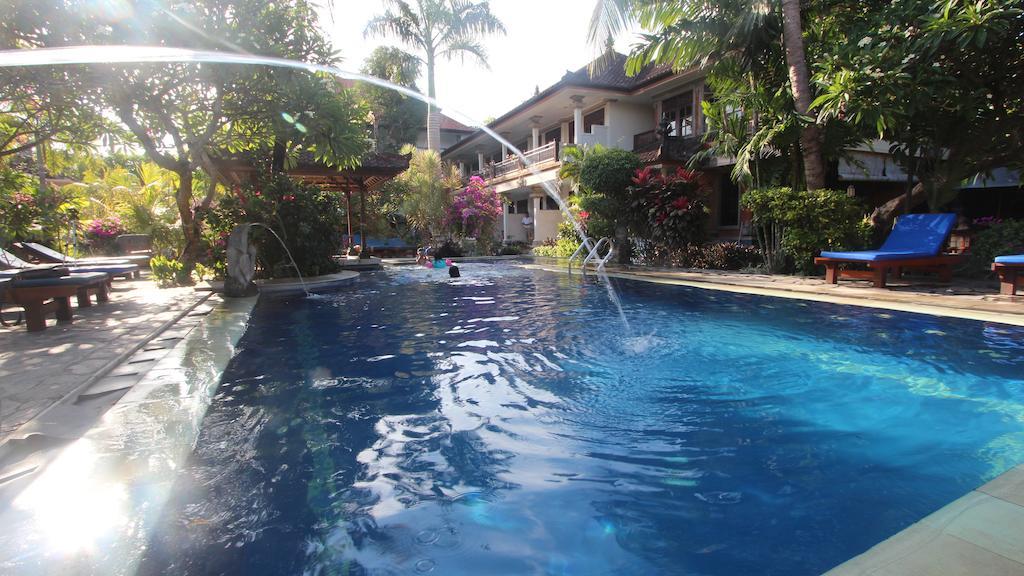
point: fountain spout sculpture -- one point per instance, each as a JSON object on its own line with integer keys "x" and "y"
{"x": 241, "y": 263}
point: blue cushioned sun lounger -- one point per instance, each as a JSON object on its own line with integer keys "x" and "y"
{"x": 916, "y": 241}
{"x": 1011, "y": 273}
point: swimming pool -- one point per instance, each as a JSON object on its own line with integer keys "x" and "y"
{"x": 507, "y": 423}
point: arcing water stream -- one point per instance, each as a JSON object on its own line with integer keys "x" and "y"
{"x": 153, "y": 54}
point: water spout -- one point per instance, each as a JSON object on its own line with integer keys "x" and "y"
{"x": 286, "y": 251}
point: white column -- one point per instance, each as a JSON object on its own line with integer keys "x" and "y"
{"x": 565, "y": 133}
{"x": 504, "y": 151}
{"x": 577, "y": 118}
{"x": 480, "y": 160}
{"x": 504, "y": 220}
{"x": 536, "y": 138}
{"x": 462, "y": 168}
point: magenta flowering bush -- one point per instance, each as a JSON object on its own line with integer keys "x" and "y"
{"x": 105, "y": 228}
{"x": 474, "y": 209}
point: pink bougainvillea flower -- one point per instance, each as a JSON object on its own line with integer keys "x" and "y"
{"x": 681, "y": 203}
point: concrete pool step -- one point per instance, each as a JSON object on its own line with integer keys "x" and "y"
{"x": 980, "y": 534}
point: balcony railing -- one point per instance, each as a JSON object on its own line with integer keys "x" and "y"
{"x": 545, "y": 153}
{"x": 645, "y": 140}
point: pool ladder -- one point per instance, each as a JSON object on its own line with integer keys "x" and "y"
{"x": 593, "y": 253}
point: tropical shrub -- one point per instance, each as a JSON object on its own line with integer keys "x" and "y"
{"x": 605, "y": 175}
{"x": 669, "y": 210}
{"x": 306, "y": 218}
{"x": 167, "y": 271}
{"x": 473, "y": 212}
{"x": 792, "y": 226}
{"x": 426, "y": 184}
{"x": 18, "y": 208}
{"x": 102, "y": 232}
{"x": 999, "y": 239}
{"x": 714, "y": 256}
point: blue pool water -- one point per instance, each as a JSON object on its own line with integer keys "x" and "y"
{"x": 505, "y": 423}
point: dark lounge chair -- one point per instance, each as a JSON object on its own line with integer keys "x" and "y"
{"x": 1011, "y": 273}
{"x": 114, "y": 270}
{"x": 51, "y": 256}
{"x": 41, "y": 291}
{"x": 916, "y": 242}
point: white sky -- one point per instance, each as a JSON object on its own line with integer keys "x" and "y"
{"x": 545, "y": 38}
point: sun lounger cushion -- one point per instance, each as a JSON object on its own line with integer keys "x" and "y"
{"x": 69, "y": 280}
{"x": 50, "y": 255}
{"x": 914, "y": 236}
{"x": 1015, "y": 259}
{"x": 112, "y": 269}
{"x": 875, "y": 255}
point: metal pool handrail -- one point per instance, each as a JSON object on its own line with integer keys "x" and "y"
{"x": 587, "y": 243}
{"x": 594, "y": 254}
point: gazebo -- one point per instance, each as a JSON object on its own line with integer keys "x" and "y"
{"x": 375, "y": 169}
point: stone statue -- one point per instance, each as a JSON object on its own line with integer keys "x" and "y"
{"x": 241, "y": 264}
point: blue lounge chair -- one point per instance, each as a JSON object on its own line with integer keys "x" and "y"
{"x": 114, "y": 270}
{"x": 1011, "y": 273}
{"x": 916, "y": 241}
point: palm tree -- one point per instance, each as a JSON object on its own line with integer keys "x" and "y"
{"x": 701, "y": 32}
{"x": 438, "y": 30}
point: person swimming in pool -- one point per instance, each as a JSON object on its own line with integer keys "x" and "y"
{"x": 421, "y": 257}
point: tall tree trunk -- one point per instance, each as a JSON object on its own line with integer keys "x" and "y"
{"x": 277, "y": 157}
{"x": 433, "y": 115}
{"x": 810, "y": 138}
{"x": 190, "y": 225}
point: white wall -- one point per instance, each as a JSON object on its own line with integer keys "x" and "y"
{"x": 547, "y": 222}
{"x": 624, "y": 121}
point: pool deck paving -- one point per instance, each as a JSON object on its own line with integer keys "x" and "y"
{"x": 38, "y": 369}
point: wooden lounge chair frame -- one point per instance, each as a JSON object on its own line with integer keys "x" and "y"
{"x": 40, "y": 301}
{"x": 1011, "y": 277}
{"x": 878, "y": 270}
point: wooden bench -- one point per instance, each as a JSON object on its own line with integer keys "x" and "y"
{"x": 878, "y": 270}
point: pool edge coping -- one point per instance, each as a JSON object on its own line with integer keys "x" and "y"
{"x": 1012, "y": 318}
{"x": 227, "y": 316}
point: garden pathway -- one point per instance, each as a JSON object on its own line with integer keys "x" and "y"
{"x": 38, "y": 369}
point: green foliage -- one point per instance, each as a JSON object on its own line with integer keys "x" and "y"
{"x": 167, "y": 271}
{"x": 183, "y": 114}
{"x": 941, "y": 81}
{"x": 306, "y": 218}
{"x": 714, "y": 256}
{"x": 1001, "y": 239}
{"x": 557, "y": 248}
{"x": 605, "y": 175}
{"x": 18, "y": 208}
{"x": 792, "y": 226}
{"x": 203, "y": 272}
{"x": 669, "y": 211}
{"x": 397, "y": 118}
{"x": 426, "y": 201}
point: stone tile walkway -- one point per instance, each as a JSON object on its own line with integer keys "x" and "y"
{"x": 37, "y": 369}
